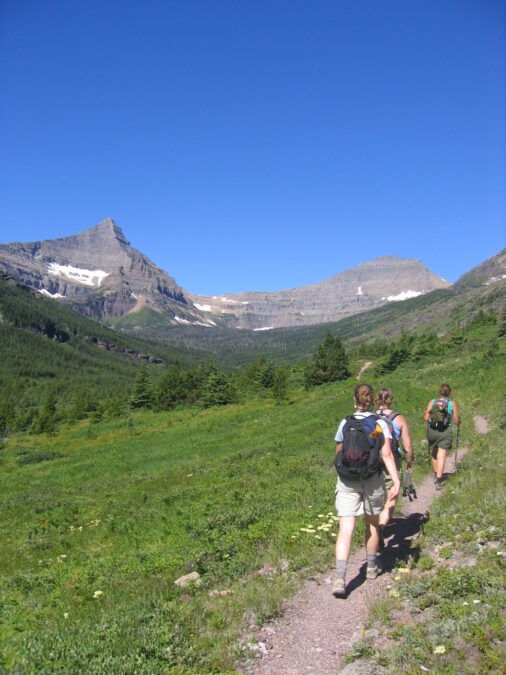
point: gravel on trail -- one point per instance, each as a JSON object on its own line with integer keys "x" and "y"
{"x": 316, "y": 629}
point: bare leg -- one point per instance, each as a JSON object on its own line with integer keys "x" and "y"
{"x": 434, "y": 460}
{"x": 343, "y": 543}
{"x": 441, "y": 458}
{"x": 371, "y": 534}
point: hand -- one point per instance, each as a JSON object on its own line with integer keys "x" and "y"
{"x": 394, "y": 491}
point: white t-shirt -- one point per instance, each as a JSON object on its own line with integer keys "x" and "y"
{"x": 359, "y": 415}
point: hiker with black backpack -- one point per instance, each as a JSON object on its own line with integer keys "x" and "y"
{"x": 441, "y": 414}
{"x": 398, "y": 427}
{"x": 363, "y": 443}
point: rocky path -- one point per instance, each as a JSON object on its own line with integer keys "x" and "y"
{"x": 316, "y": 629}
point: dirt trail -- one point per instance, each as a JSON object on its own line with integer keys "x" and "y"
{"x": 316, "y": 629}
{"x": 480, "y": 424}
{"x": 364, "y": 367}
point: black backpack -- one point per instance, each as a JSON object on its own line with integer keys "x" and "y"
{"x": 439, "y": 415}
{"x": 389, "y": 421}
{"x": 360, "y": 456}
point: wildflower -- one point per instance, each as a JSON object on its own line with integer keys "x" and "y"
{"x": 476, "y": 602}
{"x": 397, "y": 577}
{"x": 97, "y": 594}
{"x": 440, "y": 649}
{"x": 403, "y": 570}
{"x": 393, "y": 593}
{"x": 317, "y": 536}
{"x": 466, "y": 604}
{"x": 65, "y": 615}
{"x": 320, "y": 515}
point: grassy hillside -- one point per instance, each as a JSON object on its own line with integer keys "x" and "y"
{"x": 99, "y": 520}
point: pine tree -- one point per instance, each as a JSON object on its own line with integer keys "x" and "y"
{"x": 280, "y": 385}
{"x": 142, "y": 395}
{"x": 330, "y": 363}
{"x": 46, "y": 421}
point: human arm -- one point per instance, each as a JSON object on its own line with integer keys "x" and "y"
{"x": 339, "y": 447}
{"x": 389, "y": 462}
{"x": 406, "y": 439}
{"x": 427, "y": 412}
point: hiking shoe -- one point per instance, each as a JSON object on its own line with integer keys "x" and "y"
{"x": 373, "y": 572}
{"x": 439, "y": 484}
{"x": 339, "y": 587}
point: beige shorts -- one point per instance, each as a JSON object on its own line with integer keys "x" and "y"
{"x": 353, "y": 494}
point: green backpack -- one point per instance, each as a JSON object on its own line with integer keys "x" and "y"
{"x": 440, "y": 414}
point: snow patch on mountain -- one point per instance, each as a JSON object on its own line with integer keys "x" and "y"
{"x": 405, "y": 295}
{"x": 203, "y": 308}
{"x": 264, "y": 328}
{"x": 78, "y": 275}
{"x": 50, "y": 295}
{"x": 234, "y": 302}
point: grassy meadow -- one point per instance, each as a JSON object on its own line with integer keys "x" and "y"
{"x": 99, "y": 520}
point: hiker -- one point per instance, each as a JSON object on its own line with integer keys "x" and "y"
{"x": 440, "y": 415}
{"x": 362, "y": 440}
{"x": 398, "y": 427}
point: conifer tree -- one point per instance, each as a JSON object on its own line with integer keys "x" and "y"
{"x": 280, "y": 385}
{"x": 142, "y": 395}
{"x": 330, "y": 363}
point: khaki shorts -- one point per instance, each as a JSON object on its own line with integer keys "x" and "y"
{"x": 353, "y": 494}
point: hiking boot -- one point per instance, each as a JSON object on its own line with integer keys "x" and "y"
{"x": 339, "y": 587}
{"x": 373, "y": 572}
{"x": 439, "y": 484}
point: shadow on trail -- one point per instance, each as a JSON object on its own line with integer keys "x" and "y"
{"x": 398, "y": 537}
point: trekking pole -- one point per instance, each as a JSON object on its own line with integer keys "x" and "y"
{"x": 457, "y": 446}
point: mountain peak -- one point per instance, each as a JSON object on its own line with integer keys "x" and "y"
{"x": 109, "y": 229}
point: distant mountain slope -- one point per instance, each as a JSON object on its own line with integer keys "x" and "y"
{"x": 483, "y": 288}
{"x": 100, "y": 275}
{"x": 45, "y": 342}
{"x": 369, "y": 285}
{"x": 488, "y": 273}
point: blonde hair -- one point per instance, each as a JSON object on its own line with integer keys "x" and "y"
{"x": 364, "y": 396}
{"x": 384, "y": 397}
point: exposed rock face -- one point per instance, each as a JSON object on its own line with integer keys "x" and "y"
{"x": 370, "y": 284}
{"x": 98, "y": 273}
{"x": 101, "y": 275}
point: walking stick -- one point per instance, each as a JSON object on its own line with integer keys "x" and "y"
{"x": 457, "y": 446}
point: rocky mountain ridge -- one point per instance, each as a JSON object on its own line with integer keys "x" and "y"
{"x": 369, "y": 285}
{"x": 100, "y": 275}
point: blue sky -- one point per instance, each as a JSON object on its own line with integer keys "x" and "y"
{"x": 258, "y": 145}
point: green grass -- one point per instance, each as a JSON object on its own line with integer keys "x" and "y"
{"x": 126, "y": 506}
{"x": 455, "y": 591}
